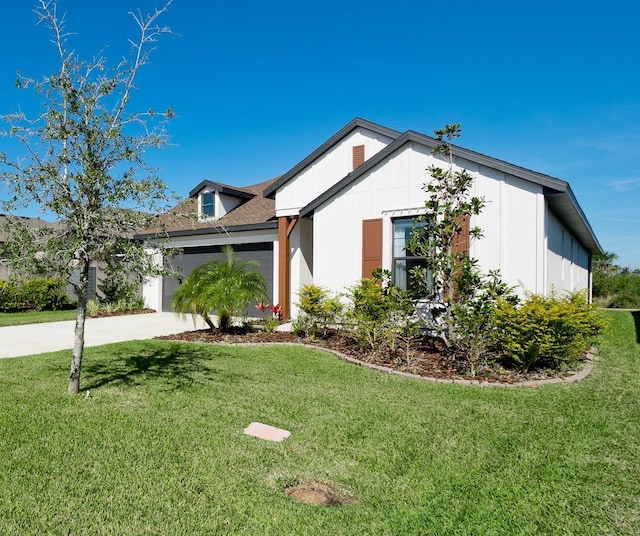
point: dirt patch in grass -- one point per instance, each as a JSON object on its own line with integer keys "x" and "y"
{"x": 427, "y": 357}
{"x": 318, "y": 493}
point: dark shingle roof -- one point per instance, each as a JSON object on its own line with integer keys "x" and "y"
{"x": 258, "y": 212}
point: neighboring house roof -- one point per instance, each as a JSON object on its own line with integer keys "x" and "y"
{"x": 257, "y": 212}
{"x": 557, "y": 192}
{"x": 326, "y": 146}
{"x": 33, "y": 223}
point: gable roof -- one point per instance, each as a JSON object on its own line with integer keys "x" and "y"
{"x": 234, "y": 191}
{"x": 558, "y": 193}
{"x": 326, "y": 146}
{"x": 258, "y": 212}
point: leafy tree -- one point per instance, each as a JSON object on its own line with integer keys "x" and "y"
{"x": 604, "y": 270}
{"x": 448, "y": 205}
{"x": 84, "y": 165}
{"x": 461, "y": 297}
{"x": 613, "y": 285}
{"x": 226, "y": 286}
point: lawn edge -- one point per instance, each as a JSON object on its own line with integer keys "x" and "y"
{"x": 575, "y": 377}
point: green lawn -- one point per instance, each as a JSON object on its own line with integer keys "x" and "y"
{"x": 16, "y": 319}
{"x": 158, "y": 446}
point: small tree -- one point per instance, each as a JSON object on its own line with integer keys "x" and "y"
{"x": 451, "y": 279}
{"x": 83, "y": 156}
{"x": 226, "y": 286}
{"x": 448, "y": 205}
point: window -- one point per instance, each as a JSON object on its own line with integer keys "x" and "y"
{"x": 404, "y": 261}
{"x": 207, "y": 207}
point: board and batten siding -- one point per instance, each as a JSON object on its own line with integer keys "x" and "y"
{"x": 392, "y": 189}
{"x": 567, "y": 259}
{"x": 513, "y": 221}
{"x": 327, "y": 170}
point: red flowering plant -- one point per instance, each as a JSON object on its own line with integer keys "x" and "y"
{"x": 270, "y": 323}
{"x": 276, "y": 311}
{"x": 262, "y": 307}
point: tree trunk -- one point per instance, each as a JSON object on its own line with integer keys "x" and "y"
{"x": 78, "y": 341}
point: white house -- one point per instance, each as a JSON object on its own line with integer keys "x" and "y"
{"x": 348, "y": 207}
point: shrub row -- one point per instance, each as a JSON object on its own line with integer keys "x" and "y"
{"x": 123, "y": 305}
{"x": 41, "y": 294}
{"x": 542, "y": 332}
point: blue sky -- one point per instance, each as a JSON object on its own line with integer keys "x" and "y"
{"x": 553, "y": 86}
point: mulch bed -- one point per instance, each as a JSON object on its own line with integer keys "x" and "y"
{"x": 428, "y": 356}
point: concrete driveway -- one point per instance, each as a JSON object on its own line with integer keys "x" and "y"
{"x": 16, "y": 341}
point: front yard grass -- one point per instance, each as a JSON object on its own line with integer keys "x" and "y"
{"x": 156, "y": 447}
{"x": 35, "y": 317}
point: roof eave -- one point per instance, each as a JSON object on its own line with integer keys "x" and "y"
{"x": 554, "y": 189}
{"x": 210, "y": 230}
{"x": 222, "y": 188}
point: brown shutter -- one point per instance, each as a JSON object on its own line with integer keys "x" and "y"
{"x": 461, "y": 240}
{"x": 358, "y": 155}
{"x": 371, "y": 246}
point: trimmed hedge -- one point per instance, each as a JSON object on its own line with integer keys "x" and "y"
{"x": 41, "y": 294}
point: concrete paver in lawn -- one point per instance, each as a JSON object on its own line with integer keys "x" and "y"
{"x": 16, "y": 341}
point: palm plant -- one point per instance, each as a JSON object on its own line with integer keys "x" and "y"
{"x": 226, "y": 286}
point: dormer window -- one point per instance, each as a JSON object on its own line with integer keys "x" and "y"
{"x": 215, "y": 200}
{"x": 207, "y": 205}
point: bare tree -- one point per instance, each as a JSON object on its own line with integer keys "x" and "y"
{"x": 83, "y": 162}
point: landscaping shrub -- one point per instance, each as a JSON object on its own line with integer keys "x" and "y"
{"x": 319, "y": 311}
{"x": 547, "y": 331}
{"x": 471, "y": 334}
{"x": 226, "y": 285}
{"x": 615, "y": 286}
{"x": 624, "y": 300}
{"x": 97, "y": 307}
{"x": 115, "y": 288}
{"x": 381, "y": 316}
{"x": 41, "y": 294}
{"x": 271, "y": 321}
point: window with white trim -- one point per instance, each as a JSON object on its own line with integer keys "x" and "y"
{"x": 207, "y": 205}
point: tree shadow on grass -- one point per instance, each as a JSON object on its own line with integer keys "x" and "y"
{"x": 636, "y": 319}
{"x": 172, "y": 367}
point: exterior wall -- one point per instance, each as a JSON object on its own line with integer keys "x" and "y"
{"x": 326, "y": 171}
{"x": 567, "y": 259}
{"x": 225, "y": 203}
{"x": 513, "y": 226}
{"x": 152, "y": 286}
{"x": 513, "y": 220}
{"x": 393, "y": 189}
{"x": 301, "y": 242}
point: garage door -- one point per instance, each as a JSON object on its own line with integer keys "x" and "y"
{"x": 191, "y": 258}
